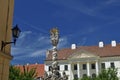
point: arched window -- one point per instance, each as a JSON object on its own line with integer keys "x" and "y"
{"x": 75, "y": 76}
{"x": 84, "y": 75}
{"x": 93, "y": 75}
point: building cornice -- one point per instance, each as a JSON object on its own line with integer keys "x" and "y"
{"x": 3, "y": 54}
{"x": 114, "y": 58}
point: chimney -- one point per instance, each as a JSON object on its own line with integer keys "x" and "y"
{"x": 101, "y": 44}
{"x": 18, "y": 65}
{"x": 113, "y": 43}
{"x": 73, "y": 46}
{"x": 36, "y": 63}
{"x": 27, "y": 64}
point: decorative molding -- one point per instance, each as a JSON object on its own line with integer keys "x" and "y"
{"x": 6, "y": 55}
{"x": 82, "y": 54}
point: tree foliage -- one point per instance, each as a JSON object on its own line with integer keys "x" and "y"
{"x": 26, "y": 74}
{"x": 14, "y": 73}
{"x": 108, "y": 74}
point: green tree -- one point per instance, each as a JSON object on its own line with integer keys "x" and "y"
{"x": 26, "y": 74}
{"x": 14, "y": 73}
{"x": 106, "y": 74}
{"x": 109, "y": 74}
{"x": 86, "y": 78}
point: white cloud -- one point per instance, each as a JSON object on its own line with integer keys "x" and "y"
{"x": 89, "y": 30}
{"x": 41, "y": 38}
{"x": 83, "y": 41}
{"x": 24, "y": 34}
{"x": 38, "y": 53}
{"x": 44, "y": 39}
{"x": 21, "y": 51}
{"x": 63, "y": 41}
{"x": 87, "y": 7}
{"x": 28, "y": 46}
{"x": 75, "y": 5}
{"x": 108, "y": 2}
{"x": 32, "y": 45}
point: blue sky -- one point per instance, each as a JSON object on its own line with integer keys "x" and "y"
{"x": 83, "y": 22}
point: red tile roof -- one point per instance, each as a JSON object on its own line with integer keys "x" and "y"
{"x": 39, "y": 68}
{"x": 106, "y": 51}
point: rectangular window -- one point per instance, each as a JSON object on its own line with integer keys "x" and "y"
{"x": 75, "y": 66}
{"x": 66, "y": 67}
{"x": 93, "y": 66}
{"x": 84, "y": 67}
{"x": 103, "y": 65}
{"x": 112, "y": 65}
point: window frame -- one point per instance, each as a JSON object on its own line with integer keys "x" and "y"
{"x": 75, "y": 76}
{"x": 112, "y": 65}
{"x": 103, "y": 66}
{"x": 93, "y": 66}
{"x": 49, "y": 68}
{"x": 66, "y": 67}
{"x": 75, "y": 66}
{"x": 84, "y": 66}
{"x": 58, "y": 67}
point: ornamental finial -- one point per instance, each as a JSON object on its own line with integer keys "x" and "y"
{"x": 54, "y": 31}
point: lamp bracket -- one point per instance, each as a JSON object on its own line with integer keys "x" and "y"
{"x": 3, "y": 44}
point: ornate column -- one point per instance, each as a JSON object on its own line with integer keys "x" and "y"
{"x": 54, "y": 39}
{"x": 55, "y": 75}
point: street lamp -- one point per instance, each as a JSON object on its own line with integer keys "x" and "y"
{"x": 15, "y": 33}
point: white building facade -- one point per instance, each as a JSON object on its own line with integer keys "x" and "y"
{"x": 86, "y": 60}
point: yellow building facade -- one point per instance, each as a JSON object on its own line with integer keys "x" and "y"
{"x": 6, "y": 17}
